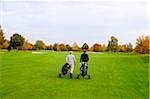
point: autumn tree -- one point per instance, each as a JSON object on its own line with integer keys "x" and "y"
{"x": 27, "y": 46}
{"x": 91, "y": 48}
{"x": 5, "y": 44}
{"x": 30, "y": 46}
{"x": 16, "y": 40}
{"x": 139, "y": 44}
{"x": 75, "y": 47}
{"x": 146, "y": 44}
{"x": 143, "y": 44}
{"x": 2, "y": 38}
{"x": 62, "y": 47}
{"x": 113, "y": 44}
{"x": 39, "y": 44}
{"x": 104, "y": 48}
{"x": 121, "y": 48}
{"x": 97, "y": 47}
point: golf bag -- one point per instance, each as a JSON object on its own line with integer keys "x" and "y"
{"x": 64, "y": 69}
{"x": 83, "y": 70}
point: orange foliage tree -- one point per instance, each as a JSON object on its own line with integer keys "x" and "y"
{"x": 27, "y": 46}
{"x": 97, "y": 47}
{"x": 143, "y": 45}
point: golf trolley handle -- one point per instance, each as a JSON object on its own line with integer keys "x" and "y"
{"x": 84, "y": 62}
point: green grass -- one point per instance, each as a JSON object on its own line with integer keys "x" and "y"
{"x": 24, "y": 75}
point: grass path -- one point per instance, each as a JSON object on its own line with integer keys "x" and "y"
{"x": 24, "y": 75}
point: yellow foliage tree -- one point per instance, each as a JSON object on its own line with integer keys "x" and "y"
{"x": 121, "y": 48}
{"x": 143, "y": 45}
{"x": 104, "y": 48}
{"x": 62, "y": 47}
{"x": 75, "y": 47}
{"x": 5, "y": 44}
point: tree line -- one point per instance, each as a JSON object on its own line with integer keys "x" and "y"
{"x": 17, "y": 41}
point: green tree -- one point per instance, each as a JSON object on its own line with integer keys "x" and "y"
{"x": 113, "y": 44}
{"x": 16, "y": 40}
{"x": 85, "y": 46}
{"x": 50, "y": 47}
{"x": 39, "y": 44}
{"x": 56, "y": 47}
{"x": 129, "y": 47}
{"x": 68, "y": 47}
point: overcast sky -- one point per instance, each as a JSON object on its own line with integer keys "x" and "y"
{"x": 74, "y": 21}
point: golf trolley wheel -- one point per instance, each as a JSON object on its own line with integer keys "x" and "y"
{"x": 89, "y": 77}
{"x": 78, "y": 76}
{"x": 59, "y": 75}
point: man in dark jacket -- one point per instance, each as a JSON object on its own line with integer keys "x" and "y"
{"x": 84, "y": 63}
{"x": 84, "y": 57}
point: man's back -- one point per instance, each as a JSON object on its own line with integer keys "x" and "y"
{"x": 84, "y": 57}
{"x": 70, "y": 58}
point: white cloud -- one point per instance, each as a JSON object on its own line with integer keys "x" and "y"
{"x": 75, "y": 21}
{"x": 4, "y": 14}
{"x": 84, "y": 0}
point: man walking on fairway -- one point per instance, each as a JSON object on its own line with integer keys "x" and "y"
{"x": 71, "y": 60}
{"x": 84, "y": 57}
{"x": 84, "y": 65}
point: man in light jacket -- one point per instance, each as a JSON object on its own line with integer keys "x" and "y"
{"x": 71, "y": 60}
